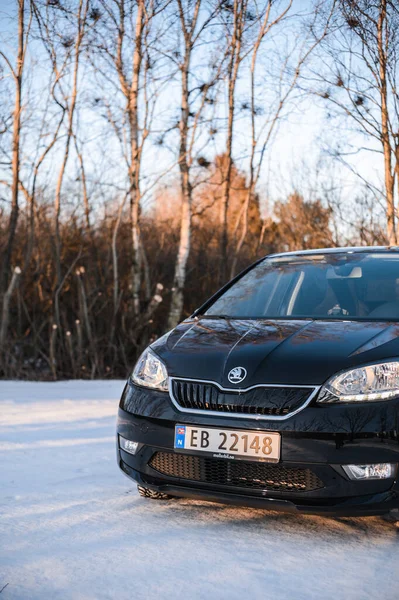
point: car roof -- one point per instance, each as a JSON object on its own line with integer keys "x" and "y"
{"x": 348, "y": 250}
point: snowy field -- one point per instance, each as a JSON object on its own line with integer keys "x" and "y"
{"x": 73, "y": 527}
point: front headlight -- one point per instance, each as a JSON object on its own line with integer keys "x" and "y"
{"x": 370, "y": 383}
{"x": 150, "y": 372}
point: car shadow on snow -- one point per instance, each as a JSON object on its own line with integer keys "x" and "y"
{"x": 196, "y": 512}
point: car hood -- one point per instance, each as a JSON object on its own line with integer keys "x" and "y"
{"x": 274, "y": 351}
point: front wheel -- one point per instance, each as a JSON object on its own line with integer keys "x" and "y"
{"x": 147, "y": 493}
{"x": 392, "y": 517}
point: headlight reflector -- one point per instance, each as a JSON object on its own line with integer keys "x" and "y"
{"x": 150, "y": 372}
{"x": 370, "y": 383}
{"x": 379, "y": 471}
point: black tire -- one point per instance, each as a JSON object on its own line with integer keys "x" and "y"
{"x": 392, "y": 517}
{"x": 147, "y": 493}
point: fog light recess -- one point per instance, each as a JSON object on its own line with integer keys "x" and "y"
{"x": 128, "y": 445}
{"x": 377, "y": 471}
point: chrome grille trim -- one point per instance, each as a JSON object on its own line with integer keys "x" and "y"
{"x": 254, "y": 417}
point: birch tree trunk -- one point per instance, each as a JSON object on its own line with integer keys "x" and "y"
{"x": 134, "y": 169}
{"x": 5, "y": 316}
{"x": 239, "y": 10}
{"x": 385, "y": 139}
{"x": 115, "y": 258}
{"x": 177, "y": 297}
{"x": 130, "y": 88}
{"x": 86, "y": 202}
{"x": 16, "y": 136}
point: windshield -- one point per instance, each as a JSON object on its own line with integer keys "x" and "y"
{"x": 325, "y": 286}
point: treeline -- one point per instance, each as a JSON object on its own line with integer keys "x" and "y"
{"x": 97, "y": 333}
{"x": 134, "y": 145}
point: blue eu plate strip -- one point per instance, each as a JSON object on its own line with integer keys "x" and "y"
{"x": 180, "y": 436}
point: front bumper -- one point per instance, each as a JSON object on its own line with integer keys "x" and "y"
{"x": 321, "y": 438}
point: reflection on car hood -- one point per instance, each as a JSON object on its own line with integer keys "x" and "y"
{"x": 274, "y": 351}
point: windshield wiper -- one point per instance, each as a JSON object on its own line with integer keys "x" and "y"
{"x": 226, "y": 317}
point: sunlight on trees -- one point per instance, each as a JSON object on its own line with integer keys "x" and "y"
{"x": 136, "y": 138}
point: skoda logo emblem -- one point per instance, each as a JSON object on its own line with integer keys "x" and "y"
{"x": 237, "y": 375}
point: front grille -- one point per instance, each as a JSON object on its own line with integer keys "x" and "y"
{"x": 254, "y": 475}
{"x": 265, "y": 401}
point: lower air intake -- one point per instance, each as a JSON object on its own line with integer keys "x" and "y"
{"x": 253, "y": 475}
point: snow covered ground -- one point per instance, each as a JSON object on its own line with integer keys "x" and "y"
{"x": 73, "y": 527}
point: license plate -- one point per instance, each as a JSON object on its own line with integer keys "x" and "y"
{"x": 229, "y": 443}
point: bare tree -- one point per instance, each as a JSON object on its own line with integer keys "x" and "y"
{"x": 30, "y": 190}
{"x": 265, "y": 25}
{"x": 261, "y": 136}
{"x": 188, "y": 25}
{"x": 131, "y": 93}
{"x": 17, "y": 75}
{"x": 123, "y": 44}
{"x": 6, "y": 306}
{"x": 234, "y": 43}
{"x": 192, "y": 106}
{"x": 361, "y": 82}
{"x": 69, "y": 99}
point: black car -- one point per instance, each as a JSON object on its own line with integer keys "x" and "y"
{"x": 280, "y": 392}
